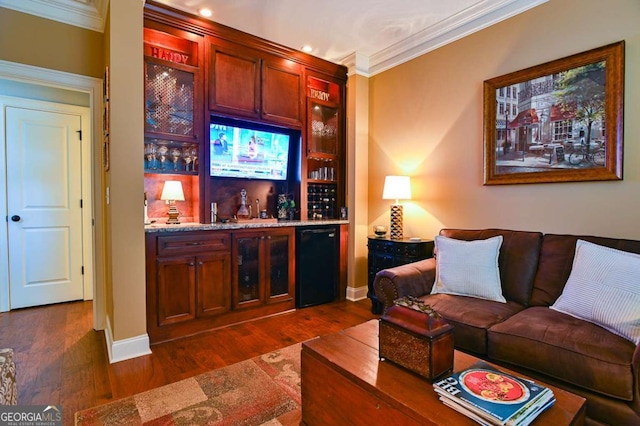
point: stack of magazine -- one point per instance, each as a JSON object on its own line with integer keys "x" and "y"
{"x": 492, "y": 397}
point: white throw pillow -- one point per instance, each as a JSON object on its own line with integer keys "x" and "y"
{"x": 468, "y": 268}
{"x": 604, "y": 288}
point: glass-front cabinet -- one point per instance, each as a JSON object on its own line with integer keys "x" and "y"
{"x": 262, "y": 271}
{"x": 172, "y": 101}
{"x": 324, "y": 148}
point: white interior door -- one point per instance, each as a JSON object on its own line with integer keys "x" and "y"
{"x": 44, "y": 196}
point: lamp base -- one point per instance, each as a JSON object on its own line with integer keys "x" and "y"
{"x": 396, "y": 222}
{"x": 173, "y": 215}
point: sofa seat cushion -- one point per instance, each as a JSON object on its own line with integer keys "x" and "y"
{"x": 471, "y": 318}
{"x": 565, "y": 348}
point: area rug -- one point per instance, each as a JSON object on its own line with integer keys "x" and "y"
{"x": 264, "y": 390}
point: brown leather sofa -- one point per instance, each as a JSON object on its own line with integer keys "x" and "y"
{"x": 524, "y": 334}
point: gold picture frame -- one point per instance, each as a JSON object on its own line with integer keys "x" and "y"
{"x": 561, "y": 121}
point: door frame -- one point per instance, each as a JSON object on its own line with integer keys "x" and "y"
{"x": 94, "y": 286}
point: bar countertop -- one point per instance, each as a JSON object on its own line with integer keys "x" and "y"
{"x": 256, "y": 223}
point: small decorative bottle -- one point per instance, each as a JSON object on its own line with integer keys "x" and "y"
{"x": 283, "y": 205}
{"x": 243, "y": 211}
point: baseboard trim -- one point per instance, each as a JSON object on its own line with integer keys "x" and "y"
{"x": 357, "y": 293}
{"x": 124, "y": 349}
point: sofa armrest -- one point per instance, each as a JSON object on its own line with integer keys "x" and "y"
{"x": 412, "y": 279}
{"x": 635, "y": 369}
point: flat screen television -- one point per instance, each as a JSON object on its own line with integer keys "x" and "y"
{"x": 246, "y": 150}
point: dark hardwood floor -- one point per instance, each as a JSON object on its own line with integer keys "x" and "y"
{"x": 61, "y": 360}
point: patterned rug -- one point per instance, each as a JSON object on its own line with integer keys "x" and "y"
{"x": 264, "y": 390}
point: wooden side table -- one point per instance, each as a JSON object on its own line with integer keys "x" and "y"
{"x": 386, "y": 253}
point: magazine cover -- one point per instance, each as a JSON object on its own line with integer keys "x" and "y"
{"x": 494, "y": 395}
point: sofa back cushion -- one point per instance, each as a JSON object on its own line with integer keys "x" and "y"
{"x": 517, "y": 261}
{"x": 556, "y": 260}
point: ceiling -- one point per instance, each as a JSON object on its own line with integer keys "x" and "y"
{"x": 369, "y": 36}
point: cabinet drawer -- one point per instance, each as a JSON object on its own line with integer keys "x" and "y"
{"x": 412, "y": 250}
{"x": 381, "y": 246}
{"x": 185, "y": 244}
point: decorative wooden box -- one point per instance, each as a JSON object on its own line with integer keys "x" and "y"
{"x": 417, "y": 338}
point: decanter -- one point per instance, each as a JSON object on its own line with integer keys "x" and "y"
{"x": 243, "y": 211}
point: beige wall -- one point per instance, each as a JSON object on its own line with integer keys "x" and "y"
{"x": 30, "y": 40}
{"x": 357, "y": 171}
{"x": 126, "y": 174}
{"x": 119, "y": 234}
{"x": 426, "y": 120}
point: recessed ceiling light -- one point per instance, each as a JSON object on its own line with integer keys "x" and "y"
{"x": 205, "y": 12}
{"x": 307, "y": 48}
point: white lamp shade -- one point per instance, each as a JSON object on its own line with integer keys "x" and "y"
{"x": 397, "y": 188}
{"x": 172, "y": 191}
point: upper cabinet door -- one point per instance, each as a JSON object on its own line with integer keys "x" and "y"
{"x": 234, "y": 81}
{"x": 173, "y": 83}
{"x": 282, "y": 91}
{"x": 247, "y": 83}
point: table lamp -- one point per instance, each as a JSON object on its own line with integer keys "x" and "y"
{"x": 172, "y": 192}
{"x": 396, "y": 188}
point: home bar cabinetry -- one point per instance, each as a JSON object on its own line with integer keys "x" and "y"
{"x": 198, "y": 74}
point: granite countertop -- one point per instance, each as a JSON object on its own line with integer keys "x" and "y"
{"x": 256, "y": 223}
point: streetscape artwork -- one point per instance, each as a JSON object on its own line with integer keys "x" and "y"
{"x": 561, "y": 121}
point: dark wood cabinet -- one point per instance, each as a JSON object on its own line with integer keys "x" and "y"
{"x": 195, "y": 70}
{"x": 191, "y": 287}
{"x": 188, "y": 279}
{"x": 213, "y": 296}
{"x": 263, "y": 268}
{"x": 176, "y": 289}
{"x": 199, "y": 280}
{"x": 282, "y": 91}
{"x": 234, "y": 80}
{"x": 386, "y": 253}
{"x": 249, "y": 83}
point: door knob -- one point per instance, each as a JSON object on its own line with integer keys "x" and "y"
{"x": 15, "y": 218}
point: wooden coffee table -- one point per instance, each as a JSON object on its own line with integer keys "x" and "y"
{"x": 344, "y": 382}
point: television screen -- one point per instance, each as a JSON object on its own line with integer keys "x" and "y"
{"x": 241, "y": 151}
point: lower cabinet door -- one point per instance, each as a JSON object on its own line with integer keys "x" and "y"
{"x": 214, "y": 284}
{"x": 248, "y": 286}
{"x": 176, "y": 289}
{"x": 280, "y": 284}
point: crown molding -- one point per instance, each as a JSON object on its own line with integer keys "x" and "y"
{"x": 357, "y": 63}
{"x": 88, "y": 14}
{"x": 479, "y": 16}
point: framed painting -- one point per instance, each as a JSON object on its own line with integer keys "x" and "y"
{"x": 561, "y": 121}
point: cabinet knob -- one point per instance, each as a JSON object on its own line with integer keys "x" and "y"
{"x": 201, "y": 263}
{"x": 192, "y": 264}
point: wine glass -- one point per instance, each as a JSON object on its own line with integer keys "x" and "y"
{"x": 186, "y": 155}
{"x": 162, "y": 155}
{"x": 194, "y": 155}
{"x": 175, "y": 154}
{"x": 150, "y": 150}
